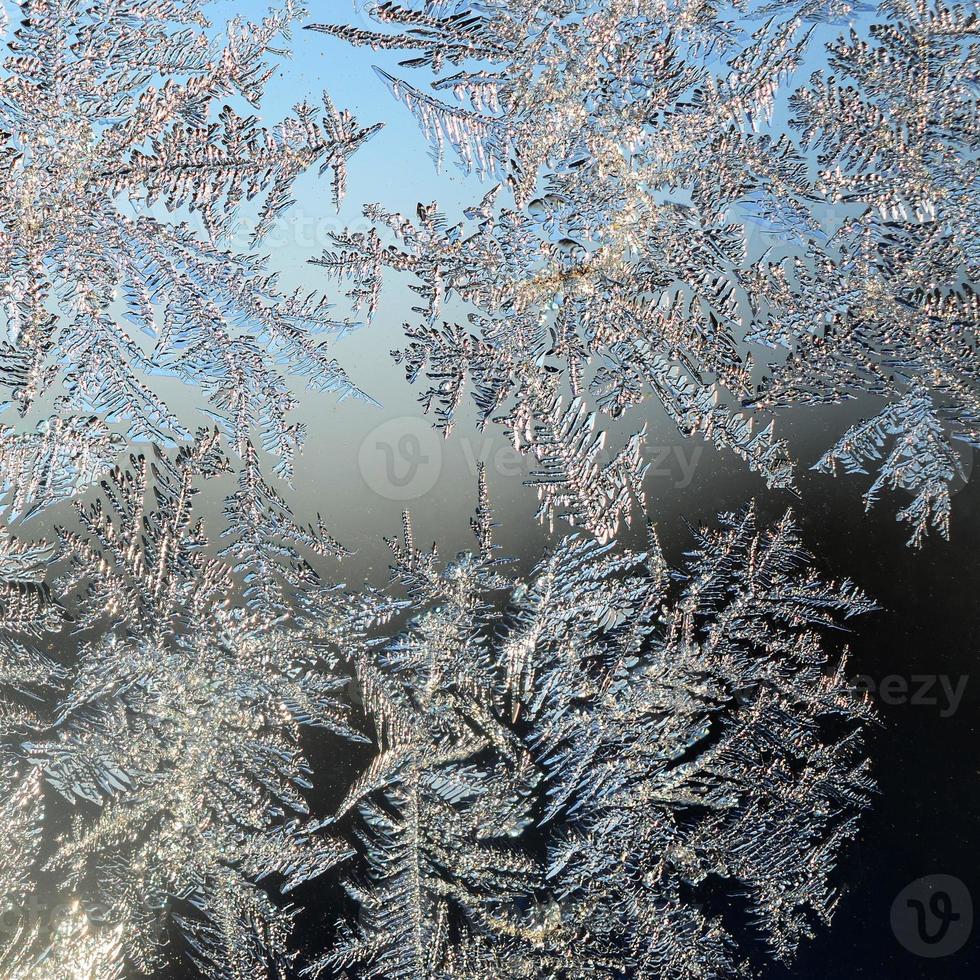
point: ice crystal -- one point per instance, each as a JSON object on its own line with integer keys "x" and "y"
{"x": 611, "y": 765}
{"x": 659, "y": 735}
{"x": 76, "y": 948}
{"x": 670, "y": 197}
{"x": 176, "y": 743}
{"x": 54, "y": 462}
{"x": 116, "y": 137}
{"x": 268, "y": 548}
{"x": 894, "y": 124}
{"x": 28, "y": 615}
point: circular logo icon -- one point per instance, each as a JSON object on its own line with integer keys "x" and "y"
{"x": 401, "y": 459}
{"x": 933, "y": 916}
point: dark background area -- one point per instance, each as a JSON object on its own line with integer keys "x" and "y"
{"x": 926, "y": 817}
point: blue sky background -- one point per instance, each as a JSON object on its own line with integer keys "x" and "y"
{"x": 342, "y": 474}
{"x": 353, "y": 448}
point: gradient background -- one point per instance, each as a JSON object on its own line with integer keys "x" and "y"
{"x": 926, "y": 818}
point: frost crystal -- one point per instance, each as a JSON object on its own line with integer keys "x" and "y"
{"x": 28, "y": 615}
{"x": 176, "y": 743}
{"x": 894, "y": 125}
{"x": 672, "y": 199}
{"x": 113, "y": 144}
{"x": 656, "y": 736}
{"x": 612, "y": 765}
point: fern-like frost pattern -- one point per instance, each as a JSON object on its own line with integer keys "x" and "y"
{"x": 681, "y": 215}
{"x": 614, "y": 762}
{"x": 566, "y": 759}
{"x": 124, "y": 174}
